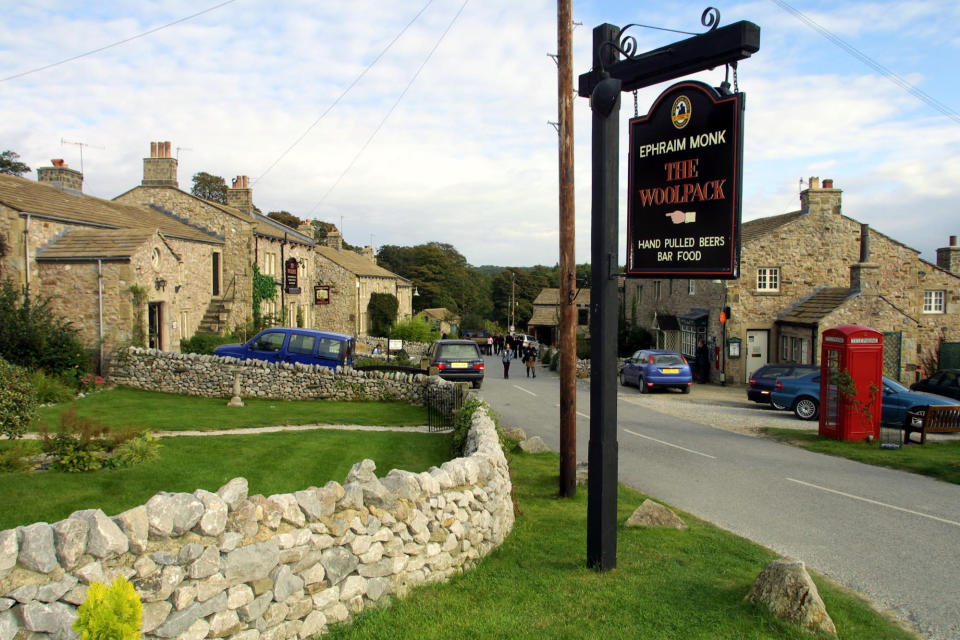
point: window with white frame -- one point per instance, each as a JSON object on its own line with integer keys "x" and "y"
{"x": 933, "y": 301}
{"x": 768, "y": 279}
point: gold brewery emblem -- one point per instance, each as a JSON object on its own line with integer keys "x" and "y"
{"x": 681, "y": 111}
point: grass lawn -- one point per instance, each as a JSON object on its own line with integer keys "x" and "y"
{"x": 940, "y": 460}
{"x": 668, "y": 585}
{"x": 271, "y": 462}
{"x": 123, "y": 407}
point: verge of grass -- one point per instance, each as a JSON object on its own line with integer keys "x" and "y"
{"x": 121, "y": 408}
{"x": 940, "y": 460}
{"x": 668, "y": 584}
{"x": 271, "y": 463}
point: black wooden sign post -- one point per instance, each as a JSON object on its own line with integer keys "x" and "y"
{"x": 603, "y": 85}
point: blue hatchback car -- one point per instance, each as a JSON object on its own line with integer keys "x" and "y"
{"x": 654, "y": 368}
{"x": 802, "y": 395}
{"x": 284, "y": 344}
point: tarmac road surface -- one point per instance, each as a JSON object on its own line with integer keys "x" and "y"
{"x": 890, "y": 535}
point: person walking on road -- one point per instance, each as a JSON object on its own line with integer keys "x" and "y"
{"x": 530, "y": 358}
{"x": 505, "y": 356}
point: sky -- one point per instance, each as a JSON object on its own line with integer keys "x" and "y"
{"x": 428, "y": 120}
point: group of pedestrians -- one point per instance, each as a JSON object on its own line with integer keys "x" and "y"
{"x": 528, "y": 356}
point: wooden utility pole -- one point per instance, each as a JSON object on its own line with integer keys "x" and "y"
{"x": 568, "y": 265}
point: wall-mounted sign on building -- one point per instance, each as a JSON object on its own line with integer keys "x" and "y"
{"x": 321, "y": 294}
{"x": 291, "y": 271}
{"x": 685, "y": 185}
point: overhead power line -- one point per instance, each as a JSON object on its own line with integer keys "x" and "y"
{"x": 870, "y": 62}
{"x": 344, "y": 93}
{"x": 399, "y": 98}
{"x": 116, "y": 44}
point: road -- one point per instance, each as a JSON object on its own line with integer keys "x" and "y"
{"x": 890, "y": 535}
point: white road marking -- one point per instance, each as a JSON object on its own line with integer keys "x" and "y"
{"x": 582, "y": 415}
{"x": 880, "y": 504}
{"x": 525, "y": 391}
{"x": 675, "y": 446}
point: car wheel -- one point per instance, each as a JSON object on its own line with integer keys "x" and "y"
{"x": 477, "y": 383}
{"x": 623, "y": 380}
{"x": 642, "y": 385}
{"x": 685, "y": 389}
{"x": 806, "y": 408}
{"x": 777, "y": 405}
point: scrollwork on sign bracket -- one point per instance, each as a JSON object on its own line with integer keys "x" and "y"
{"x": 627, "y": 47}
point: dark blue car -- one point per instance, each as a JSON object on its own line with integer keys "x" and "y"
{"x": 650, "y": 369}
{"x": 802, "y": 395}
{"x": 285, "y": 344}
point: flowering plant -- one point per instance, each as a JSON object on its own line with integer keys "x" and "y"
{"x": 90, "y": 382}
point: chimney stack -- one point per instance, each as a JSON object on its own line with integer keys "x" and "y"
{"x": 865, "y": 275}
{"x": 61, "y": 176}
{"x": 240, "y": 195}
{"x": 160, "y": 169}
{"x": 817, "y": 200}
{"x": 335, "y": 239}
{"x": 948, "y": 257}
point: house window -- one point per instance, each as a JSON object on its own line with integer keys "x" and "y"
{"x": 657, "y": 290}
{"x": 691, "y": 287}
{"x": 688, "y": 341}
{"x": 933, "y": 301}
{"x": 793, "y": 349}
{"x": 768, "y": 279}
{"x": 583, "y": 317}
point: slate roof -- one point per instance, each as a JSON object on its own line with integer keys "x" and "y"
{"x": 552, "y": 297}
{"x": 762, "y": 226}
{"x": 92, "y": 244}
{"x": 46, "y": 201}
{"x": 544, "y": 316}
{"x": 356, "y": 263}
{"x": 817, "y": 306}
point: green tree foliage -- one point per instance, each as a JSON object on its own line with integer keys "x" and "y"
{"x": 209, "y": 187}
{"x": 526, "y": 285}
{"x": 416, "y": 329}
{"x": 18, "y": 400}
{"x": 285, "y": 217}
{"x": 442, "y": 276}
{"x": 264, "y": 288}
{"x": 110, "y": 613}
{"x": 382, "y": 311}
{"x": 33, "y": 337}
{"x": 10, "y": 164}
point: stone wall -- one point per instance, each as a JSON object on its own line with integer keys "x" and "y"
{"x": 212, "y": 377}
{"x": 231, "y": 565}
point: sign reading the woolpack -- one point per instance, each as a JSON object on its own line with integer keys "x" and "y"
{"x": 685, "y": 185}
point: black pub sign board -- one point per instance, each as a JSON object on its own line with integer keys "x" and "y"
{"x": 291, "y": 270}
{"x": 685, "y": 168}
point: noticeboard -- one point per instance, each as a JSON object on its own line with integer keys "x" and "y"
{"x": 291, "y": 271}
{"x": 685, "y": 173}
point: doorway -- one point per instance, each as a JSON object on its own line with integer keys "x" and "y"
{"x": 155, "y": 325}
{"x": 216, "y": 273}
{"x": 758, "y": 345}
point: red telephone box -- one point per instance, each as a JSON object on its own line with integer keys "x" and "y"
{"x": 851, "y": 382}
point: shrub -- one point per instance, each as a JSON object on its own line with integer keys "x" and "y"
{"x": 204, "y": 343}
{"x": 110, "y": 613}
{"x": 416, "y": 329}
{"x": 18, "y": 458}
{"x": 50, "y": 389}
{"x": 555, "y": 360}
{"x": 142, "y": 448}
{"x": 18, "y": 400}
{"x": 32, "y": 336}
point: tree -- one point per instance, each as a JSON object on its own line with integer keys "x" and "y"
{"x": 10, "y": 165}
{"x": 522, "y": 286}
{"x": 382, "y": 312}
{"x": 285, "y": 217}
{"x": 209, "y": 187}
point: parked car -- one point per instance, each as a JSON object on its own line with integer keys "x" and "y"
{"x": 802, "y": 395}
{"x": 528, "y": 340}
{"x": 654, "y": 368}
{"x": 283, "y": 344}
{"x": 764, "y": 378}
{"x": 457, "y": 361}
{"x": 945, "y": 382}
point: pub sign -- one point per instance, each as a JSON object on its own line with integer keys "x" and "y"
{"x": 291, "y": 271}
{"x": 685, "y": 185}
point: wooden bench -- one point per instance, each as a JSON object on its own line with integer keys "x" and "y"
{"x": 939, "y": 419}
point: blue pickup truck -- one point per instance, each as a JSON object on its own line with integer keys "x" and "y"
{"x": 283, "y": 344}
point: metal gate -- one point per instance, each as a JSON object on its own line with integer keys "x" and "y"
{"x": 949, "y": 355}
{"x": 891, "y": 354}
{"x": 443, "y": 403}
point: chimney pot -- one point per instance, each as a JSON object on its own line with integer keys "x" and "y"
{"x": 828, "y": 183}
{"x": 166, "y": 150}
{"x": 953, "y": 241}
{"x": 58, "y": 162}
{"x": 814, "y": 182}
{"x": 153, "y": 149}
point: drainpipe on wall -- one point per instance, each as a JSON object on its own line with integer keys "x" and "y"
{"x": 100, "y": 311}
{"x": 283, "y": 275}
{"x": 26, "y": 255}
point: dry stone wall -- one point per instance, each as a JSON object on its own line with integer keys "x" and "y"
{"x": 213, "y": 377}
{"x": 231, "y": 565}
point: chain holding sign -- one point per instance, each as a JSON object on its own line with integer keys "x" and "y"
{"x": 684, "y": 202}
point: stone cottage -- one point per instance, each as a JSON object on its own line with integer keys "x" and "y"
{"x": 800, "y": 274}
{"x": 544, "y": 324}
